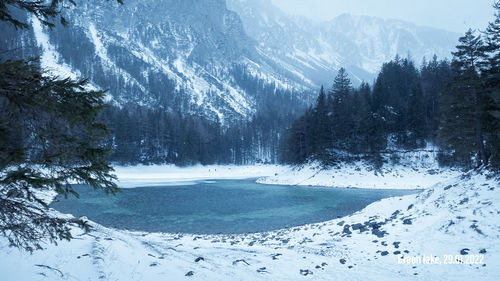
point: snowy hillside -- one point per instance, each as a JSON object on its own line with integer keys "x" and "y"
{"x": 317, "y": 50}
{"x": 158, "y": 54}
{"x": 202, "y": 58}
{"x": 455, "y": 219}
{"x": 186, "y": 56}
{"x": 410, "y": 170}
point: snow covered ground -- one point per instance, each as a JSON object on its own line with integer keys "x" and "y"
{"x": 136, "y": 176}
{"x": 403, "y": 170}
{"x": 457, "y": 216}
{"x": 415, "y": 170}
{"x": 360, "y": 175}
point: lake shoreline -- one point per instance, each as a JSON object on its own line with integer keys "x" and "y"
{"x": 355, "y": 175}
{"x": 226, "y": 206}
{"x": 362, "y": 246}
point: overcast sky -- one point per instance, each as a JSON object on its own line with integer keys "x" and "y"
{"x": 453, "y": 15}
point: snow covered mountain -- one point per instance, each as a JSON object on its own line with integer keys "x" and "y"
{"x": 176, "y": 54}
{"x": 361, "y": 44}
{"x": 201, "y": 57}
{"x": 189, "y": 56}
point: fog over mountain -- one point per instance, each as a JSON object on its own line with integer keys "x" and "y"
{"x": 361, "y": 44}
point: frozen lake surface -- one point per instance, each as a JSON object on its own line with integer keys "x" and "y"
{"x": 219, "y": 206}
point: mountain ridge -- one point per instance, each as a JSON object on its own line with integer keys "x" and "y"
{"x": 361, "y": 44}
{"x": 199, "y": 58}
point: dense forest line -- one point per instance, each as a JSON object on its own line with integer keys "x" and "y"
{"x": 142, "y": 134}
{"x": 451, "y": 105}
{"x": 454, "y": 106}
{"x": 400, "y": 111}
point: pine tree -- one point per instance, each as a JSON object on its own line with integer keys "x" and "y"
{"x": 434, "y": 76}
{"x": 491, "y": 74}
{"x": 462, "y": 103}
{"x": 340, "y": 98}
{"x": 321, "y": 128}
{"x": 416, "y": 117}
{"x": 391, "y": 95}
{"x": 50, "y": 138}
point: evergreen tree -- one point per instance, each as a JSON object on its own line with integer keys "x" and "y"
{"x": 416, "y": 117}
{"x": 491, "y": 74}
{"x": 434, "y": 77}
{"x": 50, "y": 138}
{"x": 340, "y": 99}
{"x": 321, "y": 127}
{"x": 462, "y": 103}
{"x": 362, "y": 120}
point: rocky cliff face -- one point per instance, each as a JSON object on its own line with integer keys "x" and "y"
{"x": 200, "y": 57}
{"x": 160, "y": 53}
{"x": 361, "y": 44}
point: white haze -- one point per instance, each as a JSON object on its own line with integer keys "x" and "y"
{"x": 452, "y": 15}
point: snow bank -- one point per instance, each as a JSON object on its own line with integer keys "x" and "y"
{"x": 402, "y": 170}
{"x": 360, "y": 175}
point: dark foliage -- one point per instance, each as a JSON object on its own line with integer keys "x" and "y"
{"x": 400, "y": 112}
{"x": 453, "y": 105}
{"x": 147, "y": 135}
{"x": 50, "y": 138}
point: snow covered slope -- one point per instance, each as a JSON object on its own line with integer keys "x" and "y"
{"x": 161, "y": 53}
{"x": 200, "y": 57}
{"x": 317, "y": 50}
{"x": 412, "y": 170}
{"x": 361, "y": 175}
{"x": 458, "y": 218}
{"x": 402, "y": 170}
{"x": 187, "y": 56}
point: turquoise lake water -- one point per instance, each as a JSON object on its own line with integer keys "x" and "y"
{"x": 220, "y": 206}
